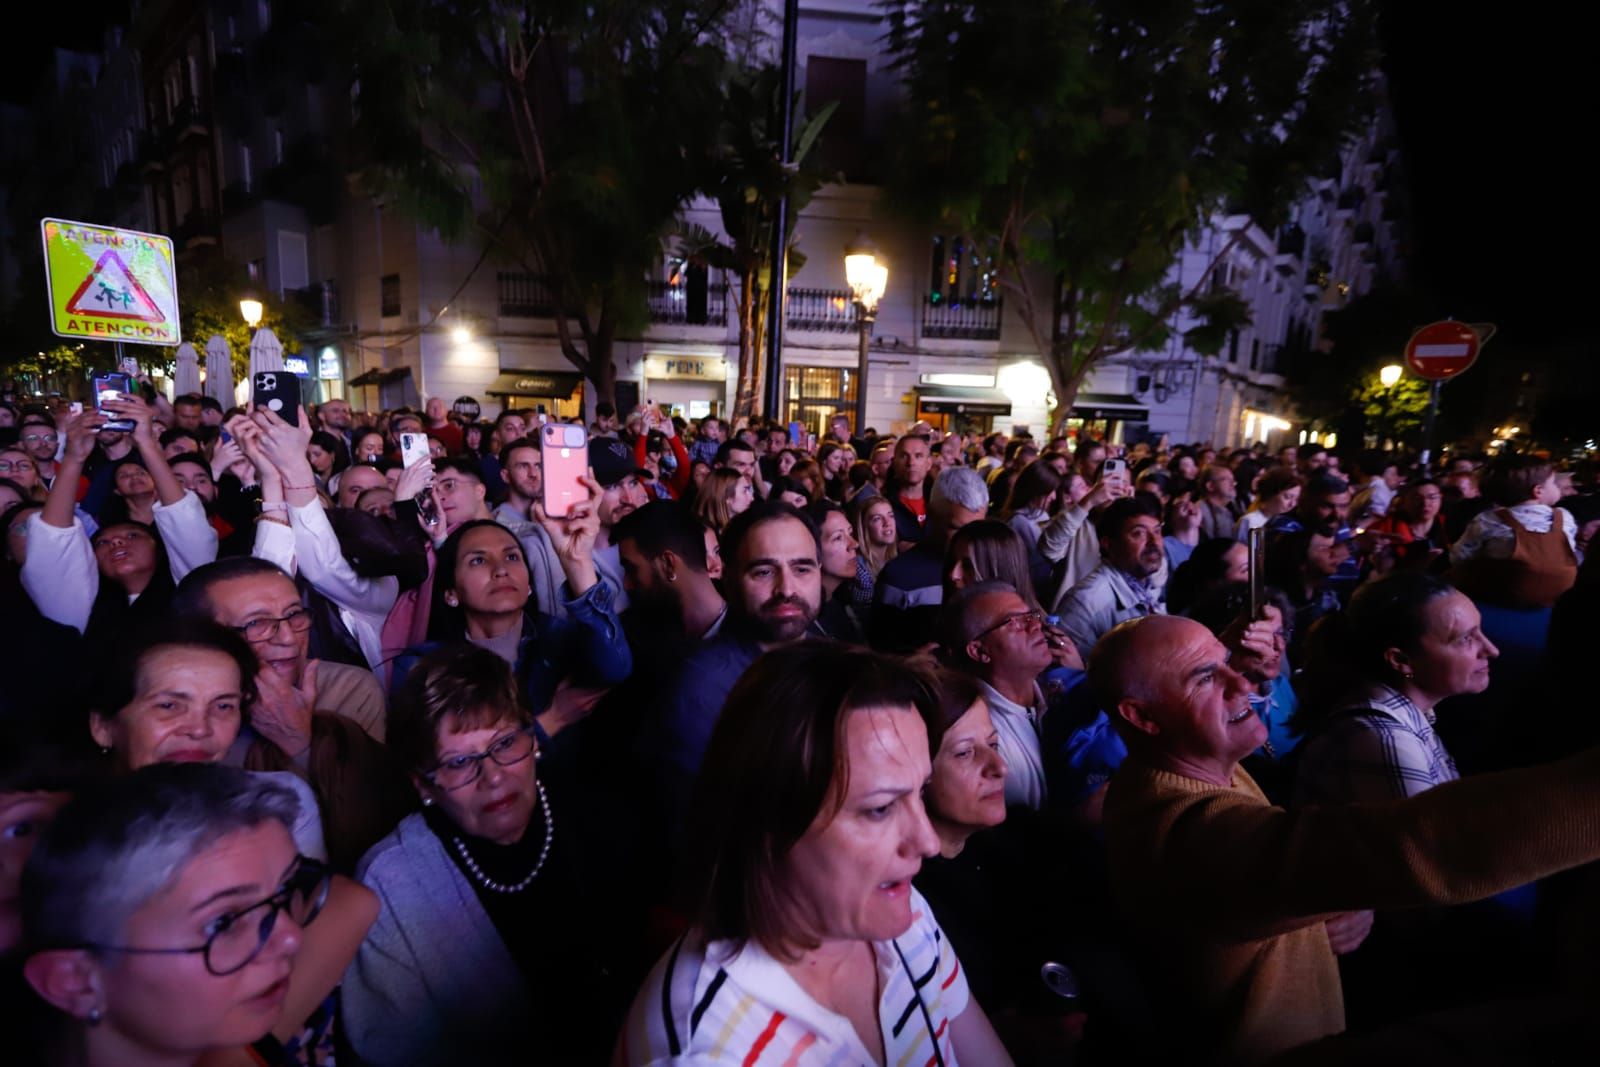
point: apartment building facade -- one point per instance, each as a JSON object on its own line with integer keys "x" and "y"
{"x": 231, "y": 141}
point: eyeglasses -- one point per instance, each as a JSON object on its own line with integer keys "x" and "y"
{"x": 298, "y": 621}
{"x": 7, "y": 466}
{"x": 458, "y": 772}
{"x": 234, "y": 939}
{"x": 1022, "y": 620}
{"x": 29, "y": 438}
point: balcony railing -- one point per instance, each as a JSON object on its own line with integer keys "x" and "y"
{"x": 824, "y": 310}
{"x": 685, "y": 305}
{"x": 526, "y": 296}
{"x": 968, "y": 320}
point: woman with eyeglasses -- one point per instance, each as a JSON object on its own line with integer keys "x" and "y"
{"x": 17, "y": 466}
{"x": 488, "y": 948}
{"x": 168, "y": 918}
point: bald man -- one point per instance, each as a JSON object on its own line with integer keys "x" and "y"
{"x": 1234, "y": 901}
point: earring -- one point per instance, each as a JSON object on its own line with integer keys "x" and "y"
{"x": 94, "y": 1017}
{"x": 427, "y": 802}
{"x": 672, "y": 577}
{"x": 450, "y": 598}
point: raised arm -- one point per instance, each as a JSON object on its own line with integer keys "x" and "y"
{"x": 1227, "y": 861}
{"x": 59, "y": 572}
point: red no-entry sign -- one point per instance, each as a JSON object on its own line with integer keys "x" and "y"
{"x": 1442, "y": 350}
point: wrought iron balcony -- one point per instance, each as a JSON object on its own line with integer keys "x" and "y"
{"x": 969, "y": 320}
{"x": 823, "y": 310}
{"x": 682, "y": 304}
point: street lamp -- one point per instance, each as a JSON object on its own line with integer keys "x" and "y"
{"x": 867, "y": 279}
{"x": 1388, "y": 377}
{"x": 251, "y": 309}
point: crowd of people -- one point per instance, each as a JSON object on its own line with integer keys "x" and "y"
{"x": 880, "y": 749}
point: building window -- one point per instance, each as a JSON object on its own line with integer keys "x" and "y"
{"x": 246, "y": 171}
{"x": 963, "y": 271}
{"x": 389, "y": 295}
{"x": 812, "y": 395}
{"x": 1255, "y": 353}
{"x": 256, "y": 269}
{"x": 830, "y": 80}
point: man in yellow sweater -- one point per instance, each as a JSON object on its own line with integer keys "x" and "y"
{"x": 1229, "y": 895}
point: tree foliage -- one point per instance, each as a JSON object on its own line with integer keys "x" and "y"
{"x": 746, "y": 176}
{"x": 1094, "y": 136}
{"x": 209, "y": 290}
{"x": 567, "y": 134}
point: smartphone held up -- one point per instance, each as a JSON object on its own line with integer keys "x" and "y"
{"x": 564, "y": 448}
{"x": 112, "y": 386}
{"x": 279, "y": 393}
{"x": 414, "y": 450}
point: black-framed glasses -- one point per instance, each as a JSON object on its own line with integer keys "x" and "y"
{"x": 458, "y": 772}
{"x": 298, "y": 621}
{"x": 1022, "y": 620}
{"x": 236, "y": 938}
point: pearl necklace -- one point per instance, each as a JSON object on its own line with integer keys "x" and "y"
{"x": 499, "y": 887}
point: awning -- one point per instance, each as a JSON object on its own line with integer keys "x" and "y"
{"x": 378, "y": 376}
{"x": 962, "y": 400}
{"x": 557, "y": 385}
{"x": 1121, "y": 406}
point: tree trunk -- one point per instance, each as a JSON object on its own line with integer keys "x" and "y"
{"x": 602, "y": 372}
{"x": 749, "y": 327}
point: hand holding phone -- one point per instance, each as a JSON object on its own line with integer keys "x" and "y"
{"x": 1114, "y": 472}
{"x": 112, "y": 387}
{"x": 418, "y": 464}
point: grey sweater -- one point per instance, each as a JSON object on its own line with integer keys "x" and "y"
{"x": 433, "y": 982}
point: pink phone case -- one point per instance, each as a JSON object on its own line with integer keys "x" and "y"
{"x": 564, "y": 449}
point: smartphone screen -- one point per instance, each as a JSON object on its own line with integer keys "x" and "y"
{"x": 565, "y": 454}
{"x": 114, "y": 386}
{"x": 279, "y": 393}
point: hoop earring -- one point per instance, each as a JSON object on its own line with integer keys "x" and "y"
{"x": 94, "y": 1017}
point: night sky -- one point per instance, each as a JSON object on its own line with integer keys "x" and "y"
{"x": 1494, "y": 108}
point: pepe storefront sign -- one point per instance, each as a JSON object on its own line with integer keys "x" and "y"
{"x": 686, "y": 368}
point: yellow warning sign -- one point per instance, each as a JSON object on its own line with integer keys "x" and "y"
{"x": 110, "y": 285}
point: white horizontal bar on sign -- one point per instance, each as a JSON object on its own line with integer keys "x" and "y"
{"x": 1440, "y": 351}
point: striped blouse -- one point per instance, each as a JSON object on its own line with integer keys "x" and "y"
{"x": 714, "y": 1003}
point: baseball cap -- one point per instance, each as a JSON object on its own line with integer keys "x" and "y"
{"x": 611, "y": 460}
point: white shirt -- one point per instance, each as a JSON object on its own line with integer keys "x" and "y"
{"x": 60, "y": 573}
{"x": 309, "y": 545}
{"x": 1018, "y": 728}
{"x": 717, "y": 1004}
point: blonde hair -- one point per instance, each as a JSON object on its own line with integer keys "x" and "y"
{"x": 876, "y": 555}
{"x": 713, "y": 503}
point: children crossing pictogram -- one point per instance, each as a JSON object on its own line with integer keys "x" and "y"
{"x": 111, "y": 291}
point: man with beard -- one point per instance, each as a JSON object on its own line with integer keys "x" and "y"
{"x": 622, "y": 493}
{"x": 675, "y": 604}
{"x": 773, "y": 559}
{"x": 1123, "y": 586}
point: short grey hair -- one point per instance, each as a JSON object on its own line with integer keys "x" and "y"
{"x": 958, "y": 618}
{"x": 115, "y": 846}
{"x": 960, "y": 486}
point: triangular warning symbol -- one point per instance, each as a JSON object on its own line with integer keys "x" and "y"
{"x": 111, "y": 292}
